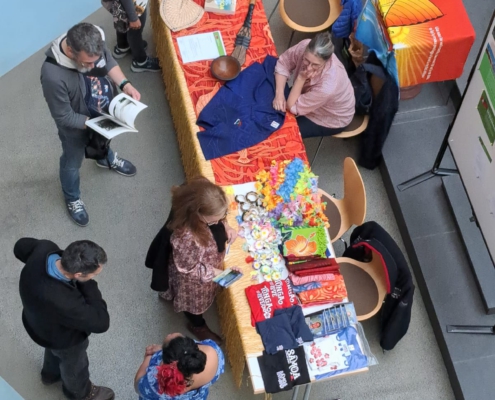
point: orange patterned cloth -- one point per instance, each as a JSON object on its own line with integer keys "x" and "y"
{"x": 284, "y": 144}
{"x": 332, "y": 292}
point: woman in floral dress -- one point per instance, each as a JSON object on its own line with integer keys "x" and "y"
{"x": 180, "y": 369}
{"x": 199, "y": 232}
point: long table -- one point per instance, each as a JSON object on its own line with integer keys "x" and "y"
{"x": 188, "y": 89}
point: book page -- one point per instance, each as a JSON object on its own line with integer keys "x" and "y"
{"x": 203, "y": 46}
{"x": 107, "y": 127}
{"x": 125, "y": 109}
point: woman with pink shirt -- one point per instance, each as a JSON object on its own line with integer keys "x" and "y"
{"x": 322, "y": 96}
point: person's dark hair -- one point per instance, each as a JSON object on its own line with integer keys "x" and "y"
{"x": 85, "y": 37}
{"x": 182, "y": 358}
{"x": 83, "y": 257}
{"x": 190, "y": 359}
{"x": 321, "y": 46}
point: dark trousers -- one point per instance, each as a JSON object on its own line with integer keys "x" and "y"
{"x": 72, "y": 366}
{"x": 309, "y": 129}
{"x": 133, "y": 38}
{"x": 195, "y": 320}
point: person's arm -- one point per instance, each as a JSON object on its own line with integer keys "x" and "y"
{"x": 130, "y": 10}
{"x": 231, "y": 232}
{"x": 188, "y": 257}
{"x": 118, "y": 77}
{"x": 24, "y": 247}
{"x": 303, "y": 104}
{"x": 279, "y": 102}
{"x": 284, "y": 68}
{"x": 57, "y": 98}
{"x": 90, "y": 313}
{"x": 141, "y": 372}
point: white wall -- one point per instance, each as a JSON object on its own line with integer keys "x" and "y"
{"x": 29, "y": 25}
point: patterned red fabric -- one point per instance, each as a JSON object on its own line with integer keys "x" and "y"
{"x": 335, "y": 292}
{"x": 284, "y": 144}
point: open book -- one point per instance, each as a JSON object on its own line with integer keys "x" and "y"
{"x": 123, "y": 110}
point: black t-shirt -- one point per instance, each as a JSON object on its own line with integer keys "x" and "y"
{"x": 284, "y": 370}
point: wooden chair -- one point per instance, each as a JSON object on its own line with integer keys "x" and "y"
{"x": 366, "y": 285}
{"x": 308, "y": 15}
{"x": 351, "y": 210}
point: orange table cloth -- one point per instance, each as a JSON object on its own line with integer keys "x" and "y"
{"x": 431, "y": 38}
{"x": 286, "y": 143}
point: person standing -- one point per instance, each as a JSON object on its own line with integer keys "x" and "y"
{"x": 62, "y": 306}
{"x": 130, "y": 20}
{"x": 79, "y": 78}
{"x": 199, "y": 232}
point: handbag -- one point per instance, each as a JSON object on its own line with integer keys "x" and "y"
{"x": 97, "y": 147}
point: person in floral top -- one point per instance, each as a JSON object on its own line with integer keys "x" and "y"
{"x": 199, "y": 232}
{"x": 180, "y": 369}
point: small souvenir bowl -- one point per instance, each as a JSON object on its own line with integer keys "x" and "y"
{"x": 225, "y": 68}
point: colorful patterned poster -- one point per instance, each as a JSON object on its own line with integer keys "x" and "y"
{"x": 487, "y": 117}
{"x": 431, "y": 38}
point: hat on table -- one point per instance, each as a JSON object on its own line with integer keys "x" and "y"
{"x": 180, "y": 14}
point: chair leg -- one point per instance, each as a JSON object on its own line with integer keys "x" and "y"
{"x": 273, "y": 11}
{"x": 316, "y": 153}
{"x": 291, "y": 36}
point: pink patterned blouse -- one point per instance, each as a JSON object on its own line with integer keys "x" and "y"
{"x": 191, "y": 272}
{"x": 328, "y": 99}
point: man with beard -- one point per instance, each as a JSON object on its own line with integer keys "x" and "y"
{"x": 79, "y": 79}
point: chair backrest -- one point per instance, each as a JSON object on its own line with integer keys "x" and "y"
{"x": 354, "y": 192}
{"x": 366, "y": 285}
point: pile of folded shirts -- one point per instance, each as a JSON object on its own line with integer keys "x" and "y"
{"x": 315, "y": 278}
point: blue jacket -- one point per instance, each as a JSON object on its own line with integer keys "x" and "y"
{"x": 344, "y": 24}
{"x": 241, "y": 114}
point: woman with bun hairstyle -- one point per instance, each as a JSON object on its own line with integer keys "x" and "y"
{"x": 198, "y": 242}
{"x": 180, "y": 369}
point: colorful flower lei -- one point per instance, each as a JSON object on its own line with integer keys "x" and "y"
{"x": 290, "y": 194}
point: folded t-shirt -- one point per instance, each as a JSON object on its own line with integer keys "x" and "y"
{"x": 266, "y": 297}
{"x": 283, "y": 370}
{"x": 297, "y": 322}
{"x": 276, "y": 333}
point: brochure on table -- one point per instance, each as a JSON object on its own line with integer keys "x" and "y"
{"x": 202, "y": 46}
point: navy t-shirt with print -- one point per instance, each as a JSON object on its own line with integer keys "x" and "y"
{"x": 99, "y": 94}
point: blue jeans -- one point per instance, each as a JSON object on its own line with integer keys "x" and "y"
{"x": 73, "y": 146}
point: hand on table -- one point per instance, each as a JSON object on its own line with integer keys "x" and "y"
{"x": 132, "y": 91}
{"x": 279, "y": 103}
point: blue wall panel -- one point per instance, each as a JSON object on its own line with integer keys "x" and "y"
{"x": 29, "y": 25}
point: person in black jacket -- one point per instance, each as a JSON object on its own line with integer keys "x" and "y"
{"x": 62, "y": 307}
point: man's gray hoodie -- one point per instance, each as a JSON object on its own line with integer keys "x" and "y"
{"x": 64, "y": 88}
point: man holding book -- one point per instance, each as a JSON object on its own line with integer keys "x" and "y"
{"x": 79, "y": 79}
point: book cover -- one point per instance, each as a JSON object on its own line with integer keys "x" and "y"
{"x": 220, "y": 6}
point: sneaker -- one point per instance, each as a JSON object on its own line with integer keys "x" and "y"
{"x": 150, "y": 65}
{"x": 48, "y": 380}
{"x": 77, "y": 212}
{"x": 121, "y": 53}
{"x": 100, "y": 393}
{"x": 119, "y": 165}
{"x": 203, "y": 332}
